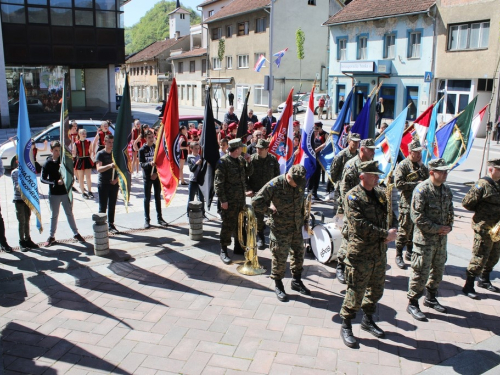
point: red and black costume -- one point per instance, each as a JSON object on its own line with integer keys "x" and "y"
{"x": 100, "y": 139}
{"x": 83, "y": 160}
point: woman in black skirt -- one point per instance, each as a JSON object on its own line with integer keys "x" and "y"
{"x": 84, "y": 164}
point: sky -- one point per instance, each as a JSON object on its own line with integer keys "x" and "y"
{"x": 135, "y": 9}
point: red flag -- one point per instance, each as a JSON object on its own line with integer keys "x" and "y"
{"x": 281, "y": 144}
{"x": 168, "y": 152}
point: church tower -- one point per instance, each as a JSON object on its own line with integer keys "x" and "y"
{"x": 180, "y": 20}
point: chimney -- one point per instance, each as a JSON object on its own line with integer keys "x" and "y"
{"x": 177, "y": 35}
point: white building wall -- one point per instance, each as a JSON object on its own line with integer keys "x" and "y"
{"x": 97, "y": 88}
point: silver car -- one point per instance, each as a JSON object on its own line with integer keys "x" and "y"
{"x": 49, "y": 134}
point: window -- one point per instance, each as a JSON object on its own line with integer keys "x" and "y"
{"x": 362, "y": 47}
{"x": 100, "y": 4}
{"x": 256, "y": 57}
{"x": 210, "y": 13}
{"x": 192, "y": 67}
{"x": 260, "y": 25}
{"x": 485, "y": 84}
{"x": 229, "y": 31}
{"x": 341, "y": 49}
{"x": 13, "y": 14}
{"x": 261, "y": 96}
{"x": 105, "y": 19}
{"x": 414, "y": 41}
{"x": 468, "y": 36}
{"x": 150, "y": 70}
{"x": 242, "y": 61}
{"x": 311, "y": 2}
{"x": 183, "y": 16}
{"x": 180, "y": 67}
{"x": 38, "y": 15}
{"x": 215, "y": 63}
{"x": 204, "y": 66}
{"x": 83, "y": 3}
{"x": 457, "y": 93}
{"x": 412, "y": 97}
{"x": 388, "y": 92}
{"x": 243, "y": 28}
{"x": 84, "y": 18}
{"x": 142, "y": 70}
{"x": 61, "y": 17}
{"x": 216, "y": 33}
{"x": 229, "y": 62}
{"x": 390, "y": 46}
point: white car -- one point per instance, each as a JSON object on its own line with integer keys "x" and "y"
{"x": 301, "y": 101}
{"x": 49, "y": 134}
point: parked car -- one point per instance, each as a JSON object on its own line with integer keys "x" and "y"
{"x": 34, "y": 105}
{"x": 118, "y": 101}
{"x": 298, "y": 103}
{"x": 49, "y": 134}
{"x": 302, "y": 102}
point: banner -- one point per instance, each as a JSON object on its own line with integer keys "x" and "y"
{"x": 307, "y": 155}
{"x": 431, "y": 135}
{"x": 281, "y": 144}
{"x": 476, "y": 122}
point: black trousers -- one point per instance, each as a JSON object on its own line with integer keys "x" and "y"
{"x": 3, "y": 240}
{"x": 108, "y": 194}
{"x": 148, "y": 183}
{"x": 314, "y": 181}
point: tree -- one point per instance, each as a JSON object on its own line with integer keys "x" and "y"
{"x": 300, "y": 38}
{"x": 154, "y": 26}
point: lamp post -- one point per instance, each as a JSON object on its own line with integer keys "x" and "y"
{"x": 271, "y": 78}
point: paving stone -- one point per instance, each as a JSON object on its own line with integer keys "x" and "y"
{"x": 233, "y": 363}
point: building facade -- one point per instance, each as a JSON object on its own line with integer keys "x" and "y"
{"x": 372, "y": 43}
{"x": 190, "y": 71}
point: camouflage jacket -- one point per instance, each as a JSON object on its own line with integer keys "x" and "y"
{"x": 264, "y": 170}
{"x": 403, "y": 185}
{"x": 350, "y": 178}
{"x": 366, "y": 215}
{"x": 231, "y": 177}
{"x": 289, "y": 203}
{"x": 484, "y": 200}
{"x": 431, "y": 208}
{"x": 339, "y": 163}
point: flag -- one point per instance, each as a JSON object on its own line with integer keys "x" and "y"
{"x": 242, "y": 131}
{"x": 27, "y": 171}
{"x": 281, "y": 144}
{"x": 66, "y": 168}
{"x": 459, "y": 140}
{"x": 337, "y": 134}
{"x": 211, "y": 155}
{"x": 279, "y": 55}
{"x": 476, "y": 122}
{"x": 442, "y": 136}
{"x": 431, "y": 135}
{"x": 168, "y": 156}
{"x": 362, "y": 123}
{"x": 307, "y": 155}
{"x": 419, "y": 127}
{"x": 123, "y": 129}
{"x": 260, "y": 63}
{"x": 372, "y": 116}
{"x": 389, "y": 144}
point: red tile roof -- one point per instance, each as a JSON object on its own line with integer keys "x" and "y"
{"x": 194, "y": 53}
{"x": 179, "y": 10}
{"x": 238, "y": 7}
{"x": 154, "y": 50}
{"x": 359, "y": 10}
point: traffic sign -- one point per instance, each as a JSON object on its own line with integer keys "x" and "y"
{"x": 428, "y": 76}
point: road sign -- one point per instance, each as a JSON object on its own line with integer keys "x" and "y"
{"x": 428, "y": 76}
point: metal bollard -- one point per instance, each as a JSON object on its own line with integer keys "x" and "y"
{"x": 195, "y": 221}
{"x": 101, "y": 238}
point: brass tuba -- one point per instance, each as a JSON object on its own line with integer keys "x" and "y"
{"x": 495, "y": 232}
{"x": 247, "y": 222}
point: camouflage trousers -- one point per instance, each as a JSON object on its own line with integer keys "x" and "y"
{"x": 341, "y": 254}
{"x": 405, "y": 231}
{"x": 485, "y": 254}
{"x": 280, "y": 245}
{"x": 365, "y": 280}
{"x": 229, "y": 227}
{"x": 427, "y": 267}
{"x": 260, "y": 222}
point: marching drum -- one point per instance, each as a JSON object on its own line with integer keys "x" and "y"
{"x": 325, "y": 242}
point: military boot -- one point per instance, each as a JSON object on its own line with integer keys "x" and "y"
{"x": 368, "y": 325}
{"x": 279, "y": 289}
{"x": 347, "y": 335}
{"x": 261, "y": 240}
{"x": 299, "y": 286}
{"x": 399, "y": 259}
{"x": 223, "y": 255}
{"x": 238, "y": 250}
{"x": 340, "y": 272}
{"x": 484, "y": 282}
{"x": 468, "y": 288}
{"x": 432, "y": 302}
{"x": 414, "y": 310}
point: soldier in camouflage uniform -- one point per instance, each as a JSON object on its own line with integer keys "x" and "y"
{"x": 350, "y": 178}
{"x": 282, "y": 199}
{"x": 366, "y": 209}
{"x": 265, "y": 168}
{"x": 484, "y": 200}
{"x": 342, "y": 158}
{"x": 409, "y": 173}
{"x": 432, "y": 214}
{"x": 230, "y": 186}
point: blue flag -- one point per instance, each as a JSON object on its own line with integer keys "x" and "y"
{"x": 442, "y": 136}
{"x": 27, "y": 171}
{"x": 362, "y": 124}
{"x": 337, "y": 135}
{"x": 389, "y": 143}
{"x": 431, "y": 134}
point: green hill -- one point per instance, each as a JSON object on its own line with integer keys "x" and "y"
{"x": 153, "y": 26}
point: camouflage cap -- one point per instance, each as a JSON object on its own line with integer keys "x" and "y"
{"x": 415, "y": 146}
{"x": 298, "y": 174}
{"x": 438, "y": 165}
{"x": 369, "y": 167}
{"x": 354, "y": 137}
{"x": 235, "y": 143}
{"x": 494, "y": 163}
{"x": 262, "y": 143}
{"x": 368, "y": 143}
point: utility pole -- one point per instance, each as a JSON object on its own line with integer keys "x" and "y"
{"x": 271, "y": 78}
